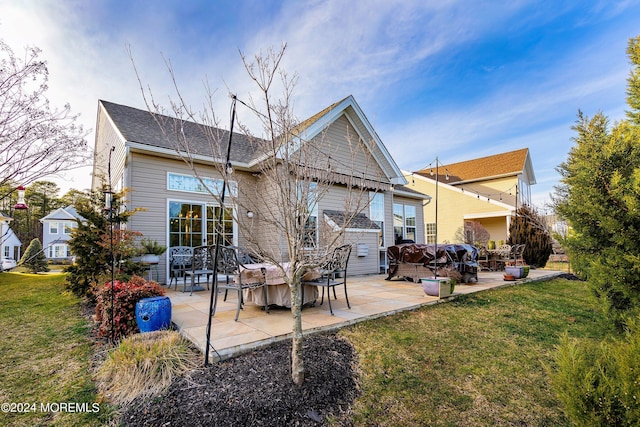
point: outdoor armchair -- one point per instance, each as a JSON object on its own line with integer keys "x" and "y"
{"x": 230, "y": 265}
{"x": 333, "y": 273}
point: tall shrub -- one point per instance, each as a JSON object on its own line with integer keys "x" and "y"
{"x": 599, "y": 385}
{"x": 599, "y": 196}
{"x": 34, "y": 259}
{"x": 529, "y": 228}
{"x": 91, "y": 245}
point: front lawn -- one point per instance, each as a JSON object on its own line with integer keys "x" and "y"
{"x": 45, "y": 355}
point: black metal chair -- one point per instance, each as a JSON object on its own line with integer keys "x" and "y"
{"x": 333, "y": 273}
{"x": 201, "y": 265}
{"x": 229, "y": 265}
{"x": 179, "y": 262}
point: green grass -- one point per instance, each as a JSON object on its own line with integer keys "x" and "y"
{"x": 45, "y": 351}
{"x": 481, "y": 360}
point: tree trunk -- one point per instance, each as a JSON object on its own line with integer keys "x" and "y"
{"x": 297, "y": 363}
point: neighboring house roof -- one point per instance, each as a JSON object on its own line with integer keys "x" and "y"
{"x": 489, "y": 167}
{"x": 357, "y": 222}
{"x": 141, "y": 129}
{"x": 9, "y": 238}
{"x": 63, "y": 214}
{"x": 5, "y": 218}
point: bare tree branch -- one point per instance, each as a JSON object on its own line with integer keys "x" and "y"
{"x": 36, "y": 140}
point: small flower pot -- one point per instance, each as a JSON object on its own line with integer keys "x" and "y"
{"x": 516, "y": 272}
{"x": 509, "y": 278}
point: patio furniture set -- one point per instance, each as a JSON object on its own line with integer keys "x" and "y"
{"x": 497, "y": 259}
{"x": 414, "y": 261}
{"x": 259, "y": 282}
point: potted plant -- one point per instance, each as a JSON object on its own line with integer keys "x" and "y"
{"x": 152, "y": 251}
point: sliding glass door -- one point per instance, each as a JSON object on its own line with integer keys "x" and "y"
{"x": 194, "y": 224}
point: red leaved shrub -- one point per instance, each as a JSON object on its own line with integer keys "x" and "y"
{"x": 126, "y": 295}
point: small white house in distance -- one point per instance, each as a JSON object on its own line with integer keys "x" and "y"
{"x": 56, "y": 232}
{"x": 10, "y": 245}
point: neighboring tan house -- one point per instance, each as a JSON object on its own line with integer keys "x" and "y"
{"x": 178, "y": 211}
{"x": 10, "y": 245}
{"x": 56, "y": 231}
{"x": 487, "y": 190}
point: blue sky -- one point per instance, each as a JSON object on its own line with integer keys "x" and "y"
{"x": 453, "y": 79}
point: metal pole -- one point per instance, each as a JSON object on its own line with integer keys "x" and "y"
{"x": 112, "y": 258}
{"x": 435, "y": 243}
{"x": 213, "y": 301}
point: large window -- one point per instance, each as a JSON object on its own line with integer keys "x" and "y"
{"x": 404, "y": 222}
{"x": 311, "y": 212}
{"x": 194, "y": 224}
{"x": 376, "y": 214}
{"x": 53, "y": 228}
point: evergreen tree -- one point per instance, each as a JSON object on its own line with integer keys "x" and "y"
{"x": 599, "y": 195}
{"x": 90, "y": 243}
{"x": 34, "y": 258}
{"x": 529, "y": 228}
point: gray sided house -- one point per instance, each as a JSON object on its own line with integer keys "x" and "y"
{"x": 178, "y": 211}
{"x": 56, "y": 231}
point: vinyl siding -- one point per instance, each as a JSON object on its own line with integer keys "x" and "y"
{"x": 346, "y": 152}
{"x": 107, "y": 137}
{"x": 149, "y": 193}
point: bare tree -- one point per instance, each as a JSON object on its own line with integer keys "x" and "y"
{"x": 36, "y": 140}
{"x": 472, "y": 233}
{"x": 286, "y": 184}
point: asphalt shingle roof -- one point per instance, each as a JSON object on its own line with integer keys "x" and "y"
{"x": 359, "y": 221}
{"x": 141, "y": 127}
{"x": 512, "y": 162}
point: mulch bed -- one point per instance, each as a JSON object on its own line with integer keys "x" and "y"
{"x": 256, "y": 389}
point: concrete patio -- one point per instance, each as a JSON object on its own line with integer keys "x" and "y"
{"x": 370, "y": 297}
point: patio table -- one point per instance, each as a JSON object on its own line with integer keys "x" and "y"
{"x": 278, "y": 292}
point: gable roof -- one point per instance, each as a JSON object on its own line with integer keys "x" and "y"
{"x": 348, "y": 107}
{"x": 142, "y": 129}
{"x": 63, "y": 214}
{"x": 494, "y": 166}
